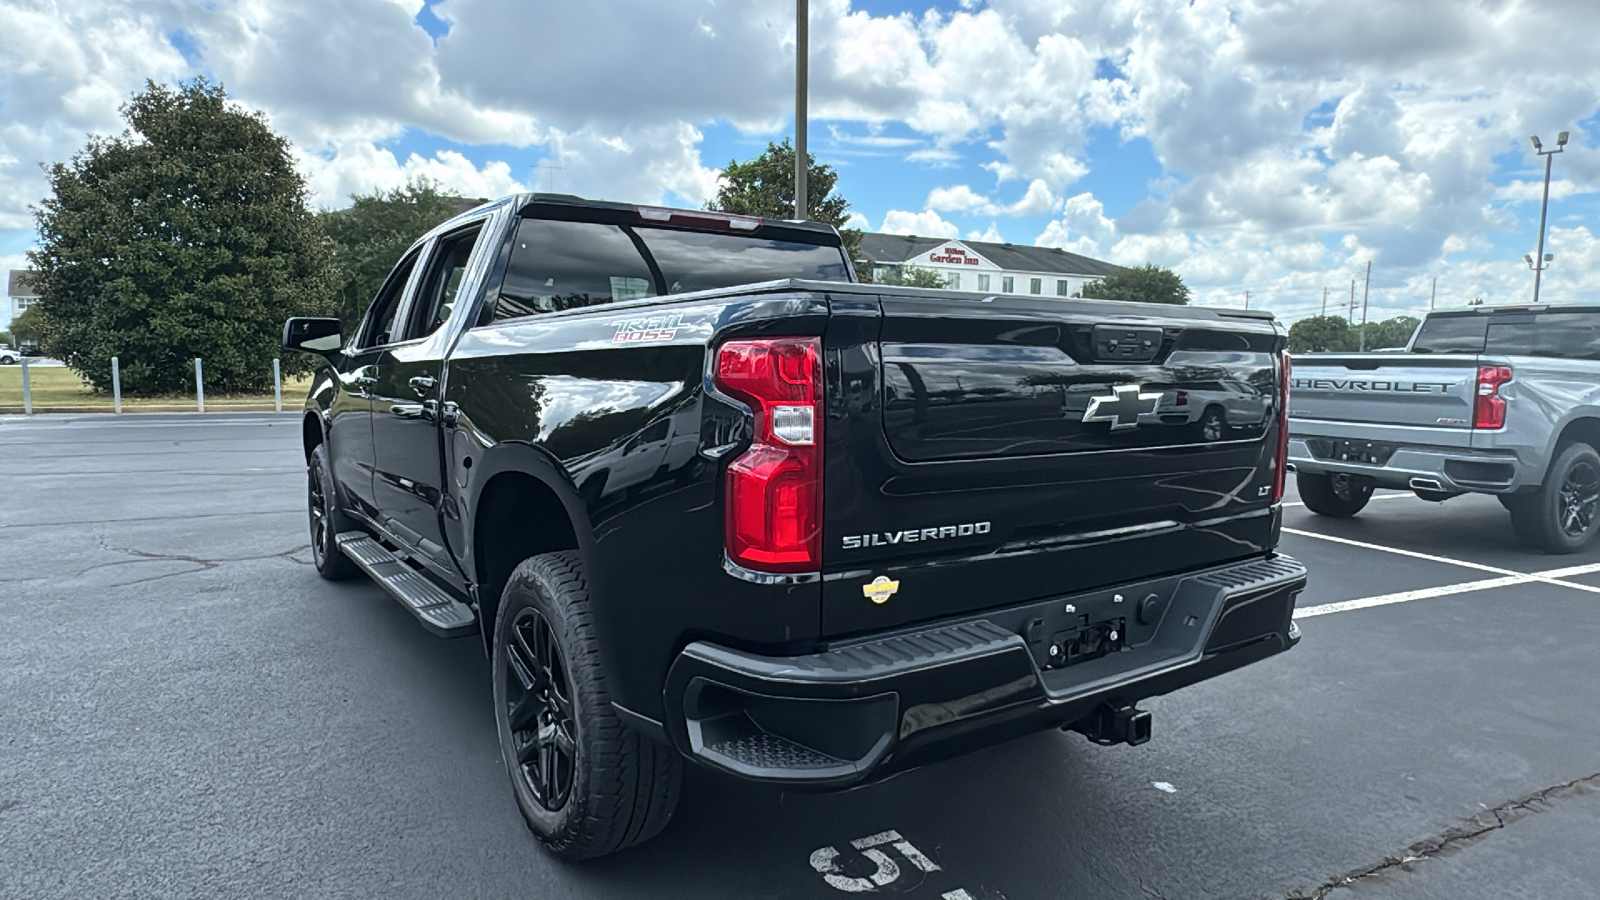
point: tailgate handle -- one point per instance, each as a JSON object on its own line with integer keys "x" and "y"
{"x": 1122, "y": 343}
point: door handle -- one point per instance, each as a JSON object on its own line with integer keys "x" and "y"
{"x": 422, "y": 384}
{"x": 408, "y": 410}
{"x": 365, "y": 380}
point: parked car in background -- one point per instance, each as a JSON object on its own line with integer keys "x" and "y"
{"x": 10, "y": 356}
{"x": 1493, "y": 400}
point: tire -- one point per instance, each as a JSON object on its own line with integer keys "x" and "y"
{"x": 1338, "y": 496}
{"x": 326, "y": 519}
{"x": 586, "y": 783}
{"x": 1213, "y": 424}
{"x": 1563, "y": 515}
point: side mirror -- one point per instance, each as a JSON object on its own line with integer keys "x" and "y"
{"x": 312, "y": 335}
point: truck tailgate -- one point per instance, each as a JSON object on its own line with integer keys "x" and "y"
{"x": 1385, "y": 389}
{"x": 990, "y": 451}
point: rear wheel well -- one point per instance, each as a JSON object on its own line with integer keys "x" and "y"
{"x": 1586, "y": 430}
{"x": 518, "y": 517}
{"x": 310, "y": 434}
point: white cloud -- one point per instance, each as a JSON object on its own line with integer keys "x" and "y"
{"x": 362, "y": 167}
{"x": 992, "y": 235}
{"x": 923, "y": 224}
{"x": 1036, "y": 201}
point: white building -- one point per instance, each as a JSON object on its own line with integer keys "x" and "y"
{"x": 20, "y": 291}
{"x": 982, "y": 266}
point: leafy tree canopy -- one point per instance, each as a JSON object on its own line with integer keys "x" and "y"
{"x": 367, "y": 239}
{"x": 186, "y": 236}
{"x": 913, "y": 276}
{"x": 1321, "y": 334}
{"x": 764, "y": 186}
{"x": 27, "y": 325}
{"x": 1332, "y": 334}
{"x": 1395, "y": 332}
{"x": 1149, "y": 283}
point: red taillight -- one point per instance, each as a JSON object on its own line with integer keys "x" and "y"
{"x": 1280, "y": 465}
{"x": 774, "y": 503}
{"x": 1490, "y": 409}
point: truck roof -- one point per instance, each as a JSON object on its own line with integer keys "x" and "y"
{"x": 556, "y": 203}
{"x": 1520, "y": 310}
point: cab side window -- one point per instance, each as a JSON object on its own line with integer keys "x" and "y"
{"x": 441, "y": 283}
{"x": 379, "y": 327}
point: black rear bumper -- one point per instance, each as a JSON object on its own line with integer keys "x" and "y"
{"x": 868, "y": 708}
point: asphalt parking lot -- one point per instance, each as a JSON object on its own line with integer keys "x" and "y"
{"x": 189, "y": 711}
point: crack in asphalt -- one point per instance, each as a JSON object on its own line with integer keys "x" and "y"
{"x": 227, "y": 515}
{"x": 202, "y": 564}
{"x": 1461, "y": 834}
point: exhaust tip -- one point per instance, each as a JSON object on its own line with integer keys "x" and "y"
{"x": 1426, "y": 484}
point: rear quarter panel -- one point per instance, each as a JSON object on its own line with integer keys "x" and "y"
{"x": 577, "y": 388}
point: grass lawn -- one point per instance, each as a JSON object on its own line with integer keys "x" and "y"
{"x": 58, "y": 389}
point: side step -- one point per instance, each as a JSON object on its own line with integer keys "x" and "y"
{"x": 433, "y": 606}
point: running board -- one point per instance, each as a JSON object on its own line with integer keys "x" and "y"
{"x": 433, "y": 606}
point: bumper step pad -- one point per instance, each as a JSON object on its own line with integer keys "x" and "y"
{"x": 434, "y": 607}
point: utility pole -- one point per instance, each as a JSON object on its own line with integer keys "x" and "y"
{"x": 1350, "y": 316}
{"x": 1433, "y": 293}
{"x": 1542, "y": 262}
{"x": 1246, "y": 299}
{"x": 1324, "y": 301}
{"x": 802, "y": 52}
{"x": 1365, "y": 290}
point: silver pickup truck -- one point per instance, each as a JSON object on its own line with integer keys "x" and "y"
{"x": 1493, "y": 400}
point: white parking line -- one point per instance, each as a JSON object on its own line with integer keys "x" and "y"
{"x": 1374, "y": 497}
{"x": 1536, "y": 576}
{"x": 1446, "y": 590}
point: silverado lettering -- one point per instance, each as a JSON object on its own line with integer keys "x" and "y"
{"x": 889, "y": 538}
{"x": 668, "y": 539}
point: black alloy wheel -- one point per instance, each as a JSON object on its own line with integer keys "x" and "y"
{"x": 1562, "y": 515}
{"x": 538, "y": 697}
{"x": 326, "y": 520}
{"x": 1579, "y": 496}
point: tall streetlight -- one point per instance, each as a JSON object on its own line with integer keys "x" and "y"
{"x": 802, "y": 22}
{"x": 1542, "y": 262}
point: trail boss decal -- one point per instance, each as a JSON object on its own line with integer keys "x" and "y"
{"x": 640, "y": 331}
{"x": 890, "y": 538}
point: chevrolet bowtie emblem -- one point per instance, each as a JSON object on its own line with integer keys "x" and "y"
{"x": 1122, "y": 407}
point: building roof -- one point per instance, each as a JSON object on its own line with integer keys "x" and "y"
{"x": 21, "y": 284}
{"x": 899, "y": 248}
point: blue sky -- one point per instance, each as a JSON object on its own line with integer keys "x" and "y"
{"x": 1270, "y": 147}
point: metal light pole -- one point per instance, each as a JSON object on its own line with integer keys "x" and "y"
{"x": 1543, "y": 260}
{"x": 802, "y": 53}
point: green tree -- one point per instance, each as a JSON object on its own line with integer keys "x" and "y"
{"x": 186, "y": 236}
{"x": 26, "y": 326}
{"x": 764, "y": 186}
{"x": 913, "y": 276}
{"x": 1395, "y": 332}
{"x": 366, "y": 239}
{"x": 1149, "y": 283}
{"x": 7, "y": 338}
{"x": 1319, "y": 334}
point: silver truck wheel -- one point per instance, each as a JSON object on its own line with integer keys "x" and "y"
{"x": 1563, "y": 515}
{"x": 1339, "y": 496}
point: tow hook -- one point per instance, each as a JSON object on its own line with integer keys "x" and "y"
{"x": 1110, "y": 725}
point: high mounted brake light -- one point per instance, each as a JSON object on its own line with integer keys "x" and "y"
{"x": 1280, "y": 463}
{"x": 1489, "y": 411}
{"x": 703, "y": 219}
{"x": 773, "y": 516}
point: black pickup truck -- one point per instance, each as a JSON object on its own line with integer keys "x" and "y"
{"x": 705, "y": 497}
